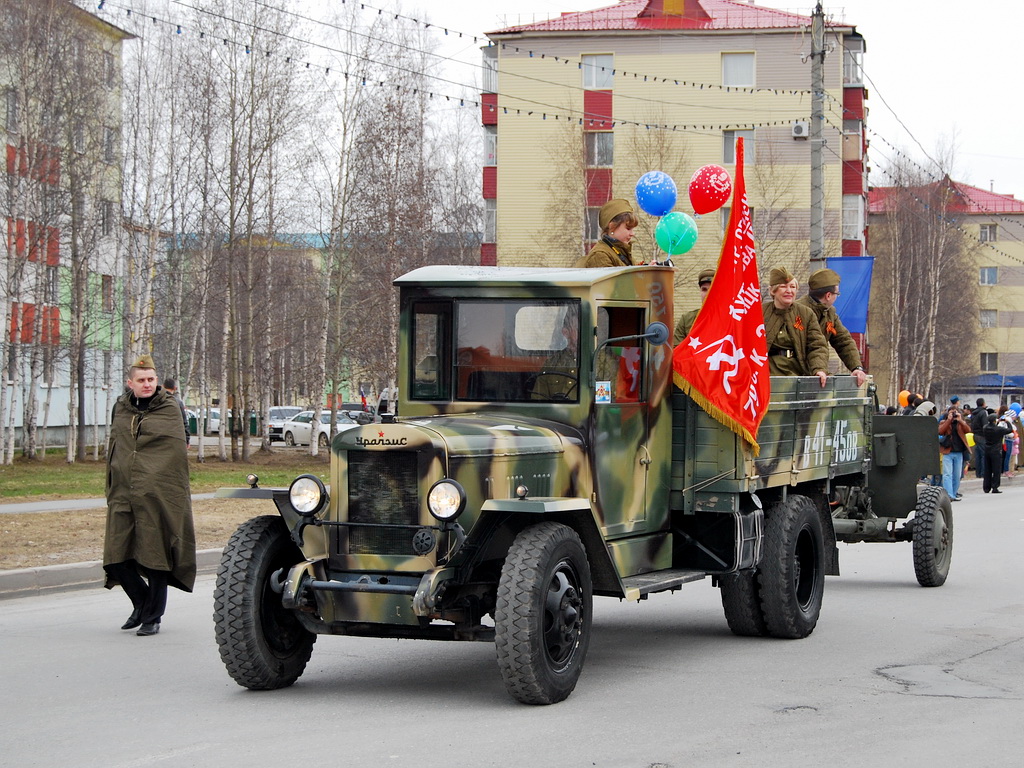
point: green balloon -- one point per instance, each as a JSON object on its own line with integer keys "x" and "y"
{"x": 676, "y": 233}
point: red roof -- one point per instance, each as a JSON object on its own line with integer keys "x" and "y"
{"x": 643, "y": 15}
{"x": 968, "y": 200}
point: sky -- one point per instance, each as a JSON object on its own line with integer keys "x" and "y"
{"x": 941, "y": 74}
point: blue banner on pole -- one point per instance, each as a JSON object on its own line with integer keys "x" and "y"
{"x": 854, "y": 290}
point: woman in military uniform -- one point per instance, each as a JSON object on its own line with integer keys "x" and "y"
{"x": 796, "y": 345}
{"x": 617, "y": 221}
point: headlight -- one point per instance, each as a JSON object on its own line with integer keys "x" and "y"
{"x": 446, "y": 500}
{"x": 307, "y": 495}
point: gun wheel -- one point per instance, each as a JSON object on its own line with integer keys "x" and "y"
{"x": 741, "y": 599}
{"x": 543, "y": 614}
{"x": 932, "y": 537}
{"x": 261, "y": 642}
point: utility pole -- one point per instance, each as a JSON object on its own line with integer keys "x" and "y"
{"x": 817, "y": 140}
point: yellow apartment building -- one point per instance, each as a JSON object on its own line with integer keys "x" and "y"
{"x": 577, "y": 108}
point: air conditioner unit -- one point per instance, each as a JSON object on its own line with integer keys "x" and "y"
{"x": 801, "y": 129}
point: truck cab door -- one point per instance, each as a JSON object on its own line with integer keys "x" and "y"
{"x": 621, "y": 428}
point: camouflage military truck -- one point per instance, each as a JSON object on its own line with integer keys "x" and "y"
{"x": 544, "y": 456}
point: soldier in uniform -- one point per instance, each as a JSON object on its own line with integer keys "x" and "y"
{"x": 686, "y": 321}
{"x": 617, "y": 220}
{"x": 796, "y": 345}
{"x": 823, "y": 290}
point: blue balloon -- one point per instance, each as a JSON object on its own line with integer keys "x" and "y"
{"x": 1016, "y": 408}
{"x": 656, "y": 193}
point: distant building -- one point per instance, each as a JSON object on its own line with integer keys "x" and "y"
{"x": 577, "y": 108}
{"x": 997, "y": 222}
{"x": 60, "y": 296}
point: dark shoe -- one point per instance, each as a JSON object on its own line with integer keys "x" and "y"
{"x": 148, "y": 629}
{"x": 996, "y": 491}
{"x": 134, "y": 620}
{"x": 955, "y": 498}
{"x": 959, "y": 495}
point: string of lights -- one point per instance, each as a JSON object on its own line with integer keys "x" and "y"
{"x": 539, "y": 109}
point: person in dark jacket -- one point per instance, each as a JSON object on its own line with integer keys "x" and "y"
{"x": 617, "y": 221}
{"x": 979, "y": 418}
{"x": 994, "y": 432}
{"x": 150, "y": 539}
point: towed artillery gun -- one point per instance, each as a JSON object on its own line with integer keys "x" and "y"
{"x": 543, "y": 456}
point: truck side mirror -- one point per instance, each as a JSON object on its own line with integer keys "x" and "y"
{"x": 656, "y": 333}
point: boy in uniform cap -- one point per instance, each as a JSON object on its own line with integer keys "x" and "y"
{"x": 686, "y": 321}
{"x": 150, "y": 540}
{"x": 823, "y": 290}
{"x": 617, "y": 220}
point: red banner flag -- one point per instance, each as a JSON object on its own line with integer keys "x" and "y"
{"x": 723, "y": 363}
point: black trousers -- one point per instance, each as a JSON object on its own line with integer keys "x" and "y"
{"x": 993, "y": 469}
{"x": 979, "y": 458}
{"x": 149, "y": 594}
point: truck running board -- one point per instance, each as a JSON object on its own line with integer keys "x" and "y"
{"x": 639, "y": 586}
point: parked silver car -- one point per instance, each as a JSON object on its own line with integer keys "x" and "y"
{"x": 279, "y": 414}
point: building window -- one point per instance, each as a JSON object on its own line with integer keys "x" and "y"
{"x": 738, "y": 70}
{"x": 109, "y": 145}
{"x": 109, "y": 69}
{"x": 597, "y": 70}
{"x": 600, "y": 148}
{"x": 989, "y": 362}
{"x": 490, "y": 220}
{"x": 52, "y": 288}
{"x": 988, "y": 275}
{"x": 489, "y": 82}
{"x": 989, "y": 318}
{"x": 490, "y": 145}
{"x": 107, "y": 217}
{"x": 987, "y": 233}
{"x": 78, "y": 137}
{"x": 593, "y": 224}
{"x": 11, "y": 109}
{"x": 107, "y": 289}
{"x": 853, "y": 217}
{"x": 853, "y": 62}
{"x": 729, "y": 153}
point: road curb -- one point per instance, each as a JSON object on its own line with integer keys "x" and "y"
{"x": 26, "y": 582}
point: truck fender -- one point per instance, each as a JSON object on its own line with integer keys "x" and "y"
{"x": 505, "y": 518}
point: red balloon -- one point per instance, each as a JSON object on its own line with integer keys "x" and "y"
{"x": 710, "y": 188}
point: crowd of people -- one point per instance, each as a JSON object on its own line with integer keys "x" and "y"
{"x": 977, "y": 438}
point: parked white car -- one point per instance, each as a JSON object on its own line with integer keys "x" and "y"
{"x": 298, "y": 428}
{"x": 279, "y": 414}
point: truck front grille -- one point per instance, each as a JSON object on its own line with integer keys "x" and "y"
{"x": 382, "y": 489}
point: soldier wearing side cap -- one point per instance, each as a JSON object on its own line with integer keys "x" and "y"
{"x": 686, "y": 321}
{"x": 796, "y": 345}
{"x": 617, "y": 220}
{"x": 150, "y": 539}
{"x": 822, "y": 292}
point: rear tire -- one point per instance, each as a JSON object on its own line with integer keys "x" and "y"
{"x": 262, "y": 643}
{"x": 324, "y": 441}
{"x": 792, "y": 575}
{"x": 933, "y": 537}
{"x": 741, "y": 599}
{"x": 543, "y": 614}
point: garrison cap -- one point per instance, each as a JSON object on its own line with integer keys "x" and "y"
{"x": 144, "y": 361}
{"x": 611, "y": 209}
{"x": 705, "y": 276}
{"x": 779, "y": 275}
{"x": 823, "y": 278}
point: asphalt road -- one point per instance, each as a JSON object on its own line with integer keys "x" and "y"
{"x": 894, "y": 675}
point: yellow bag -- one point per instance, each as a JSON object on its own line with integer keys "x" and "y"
{"x": 970, "y": 439}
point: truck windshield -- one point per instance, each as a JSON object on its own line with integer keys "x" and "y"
{"x": 502, "y": 351}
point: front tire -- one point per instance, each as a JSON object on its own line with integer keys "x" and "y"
{"x": 543, "y": 614}
{"x": 932, "y": 537}
{"x": 262, "y": 643}
{"x": 792, "y": 574}
{"x": 289, "y": 439}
